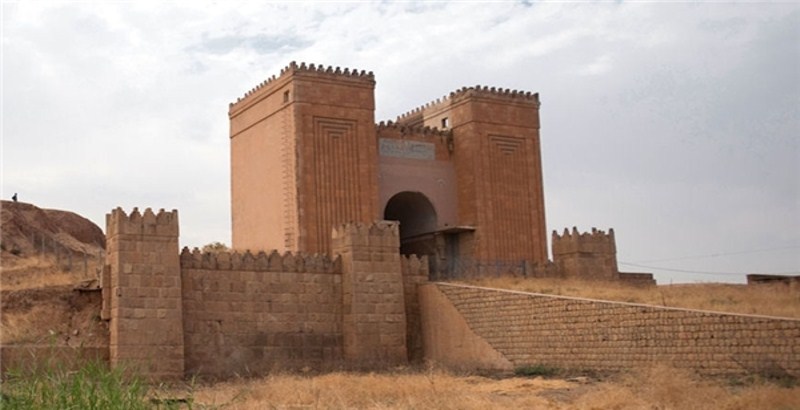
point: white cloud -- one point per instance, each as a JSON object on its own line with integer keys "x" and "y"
{"x": 674, "y": 123}
{"x": 600, "y": 65}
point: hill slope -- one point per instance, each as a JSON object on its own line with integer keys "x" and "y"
{"x": 44, "y": 254}
{"x": 27, "y": 229}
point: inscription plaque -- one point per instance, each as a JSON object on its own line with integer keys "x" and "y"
{"x": 407, "y": 149}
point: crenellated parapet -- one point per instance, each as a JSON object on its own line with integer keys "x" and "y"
{"x": 443, "y": 139}
{"x": 390, "y": 126}
{"x": 378, "y": 233}
{"x": 259, "y": 262}
{"x": 308, "y": 69}
{"x": 162, "y": 223}
{"x": 434, "y": 105}
{"x": 596, "y": 241}
{"x": 413, "y": 265}
{"x": 588, "y": 255}
{"x": 467, "y": 92}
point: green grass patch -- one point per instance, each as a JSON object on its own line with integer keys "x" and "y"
{"x": 92, "y": 386}
{"x": 536, "y": 370}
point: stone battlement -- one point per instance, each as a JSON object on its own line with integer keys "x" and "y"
{"x": 405, "y": 129}
{"x": 386, "y": 229}
{"x": 161, "y": 224}
{"x": 319, "y": 70}
{"x": 259, "y": 262}
{"x": 467, "y": 92}
{"x": 413, "y": 265}
{"x": 574, "y": 242}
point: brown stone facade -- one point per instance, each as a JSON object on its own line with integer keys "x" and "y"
{"x": 500, "y": 329}
{"x": 462, "y": 175}
{"x": 496, "y": 155}
{"x": 303, "y": 159}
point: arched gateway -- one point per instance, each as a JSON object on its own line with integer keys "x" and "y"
{"x": 417, "y": 218}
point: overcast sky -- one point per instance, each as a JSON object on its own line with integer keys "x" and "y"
{"x": 676, "y": 124}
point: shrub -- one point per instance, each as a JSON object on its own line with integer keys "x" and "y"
{"x": 536, "y": 370}
{"x": 215, "y": 247}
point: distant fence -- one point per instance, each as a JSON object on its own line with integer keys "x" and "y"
{"x": 68, "y": 259}
{"x": 469, "y": 269}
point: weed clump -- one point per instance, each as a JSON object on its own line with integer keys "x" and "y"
{"x": 536, "y": 370}
{"x": 92, "y": 386}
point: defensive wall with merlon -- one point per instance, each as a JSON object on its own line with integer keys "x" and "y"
{"x": 190, "y": 313}
{"x": 226, "y": 313}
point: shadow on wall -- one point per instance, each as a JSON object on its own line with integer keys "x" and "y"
{"x": 414, "y": 211}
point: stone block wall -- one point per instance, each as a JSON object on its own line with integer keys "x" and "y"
{"x": 249, "y": 314}
{"x": 146, "y": 318}
{"x": 592, "y": 255}
{"x": 373, "y": 308}
{"x": 530, "y": 329}
{"x": 228, "y": 313}
{"x": 587, "y": 255}
{"x": 415, "y": 273}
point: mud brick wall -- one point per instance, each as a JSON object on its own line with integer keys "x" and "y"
{"x": 530, "y": 329}
{"x": 249, "y": 314}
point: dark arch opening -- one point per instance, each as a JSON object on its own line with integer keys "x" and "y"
{"x": 417, "y": 218}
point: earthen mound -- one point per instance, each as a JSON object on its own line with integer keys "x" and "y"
{"x": 28, "y": 230}
{"x": 49, "y": 271}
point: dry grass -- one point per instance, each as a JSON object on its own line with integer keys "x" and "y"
{"x": 663, "y": 387}
{"x": 657, "y": 388}
{"x": 44, "y": 270}
{"x": 38, "y": 305}
{"x": 54, "y": 315}
{"x": 772, "y": 300}
{"x": 424, "y": 390}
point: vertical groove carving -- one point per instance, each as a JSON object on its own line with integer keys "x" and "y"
{"x": 289, "y": 191}
{"x": 512, "y": 208}
{"x": 336, "y": 175}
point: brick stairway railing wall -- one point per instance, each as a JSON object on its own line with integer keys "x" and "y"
{"x": 572, "y": 333}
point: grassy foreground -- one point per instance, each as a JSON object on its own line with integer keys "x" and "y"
{"x": 93, "y": 386}
{"x": 96, "y": 387}
{"x": 656, "y": 388}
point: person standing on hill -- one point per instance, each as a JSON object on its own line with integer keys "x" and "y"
{"x": 14, "y": 198}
